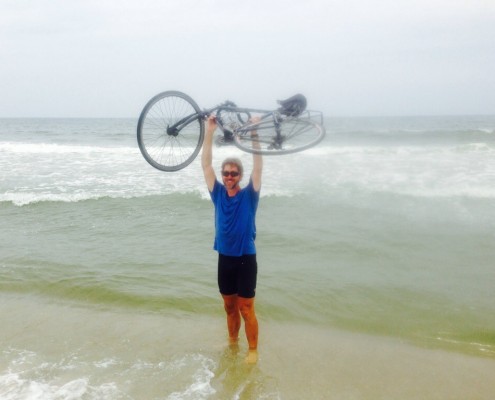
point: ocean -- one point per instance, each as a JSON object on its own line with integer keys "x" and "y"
{"x": 376, "y": 276}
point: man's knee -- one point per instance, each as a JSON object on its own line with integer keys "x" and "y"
{"x": 246, "y": 307}
{"x": 230, "y": 305}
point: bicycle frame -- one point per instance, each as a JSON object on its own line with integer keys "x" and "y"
{"x": 227, "y": 106}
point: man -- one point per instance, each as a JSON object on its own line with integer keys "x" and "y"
{"x": 235, "y": 233}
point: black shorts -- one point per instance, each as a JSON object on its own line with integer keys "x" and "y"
{"x": 237, "y": 275}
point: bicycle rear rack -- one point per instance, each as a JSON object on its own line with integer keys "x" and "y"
{"x": 312, "y": 115}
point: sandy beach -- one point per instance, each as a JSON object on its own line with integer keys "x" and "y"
{"x": 144, "y": 356}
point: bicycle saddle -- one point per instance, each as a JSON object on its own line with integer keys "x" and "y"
{"x": 293, "y": 106}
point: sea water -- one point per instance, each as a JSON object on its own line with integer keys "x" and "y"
{"x": 376, "y": 266}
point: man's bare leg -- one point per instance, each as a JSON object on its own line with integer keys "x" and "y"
{"x": 233, "y": 317}
{"x": 246, "y": 308}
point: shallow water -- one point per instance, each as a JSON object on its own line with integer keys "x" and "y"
{"x": 67, "y": 351}
{"x": 375, "y": 252}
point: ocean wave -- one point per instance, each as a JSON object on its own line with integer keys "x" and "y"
{"x": 414, "y": 124}
{"x": 489, "y": 131}
{"x": 55, "y": 148}
{"x": 31, "y": 376}
{"x": 75, "y": 173}
{"x": 475, "y": 147}
{"x": 403, "y": 137}
{"x": 24, "y": 199}
{"x": 14, "y": 386}
{"x": 344, "y": 187}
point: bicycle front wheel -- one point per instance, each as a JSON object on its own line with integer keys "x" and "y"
{"x": 170, "y": 131}
{"x": 290, "y": 135}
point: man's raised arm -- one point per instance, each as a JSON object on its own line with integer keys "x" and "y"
{"x": 257, "y": 160}
{"x": 206, "y": 155}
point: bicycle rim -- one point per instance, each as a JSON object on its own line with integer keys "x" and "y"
{"x": 162, "y": 150}
{"x": 291, "y": 136}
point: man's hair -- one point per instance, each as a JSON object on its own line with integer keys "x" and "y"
{"x": 234, "y": 161}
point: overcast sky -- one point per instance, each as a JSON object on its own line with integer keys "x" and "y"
{"x": 106, "y": 58}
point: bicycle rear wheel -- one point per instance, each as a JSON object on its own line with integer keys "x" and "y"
{"x": 290, "y": 136}
{"x": 170, "y": 149}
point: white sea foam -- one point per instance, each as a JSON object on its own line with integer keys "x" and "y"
{"x": 55, "y": 148}
{"x": 30, "y": 377}
{"x": 32, "y": 172}
{"x": 200, "y": 387}
{"x": 15, "y": 387}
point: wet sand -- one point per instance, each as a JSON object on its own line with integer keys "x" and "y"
{"x": 56, "y": 347}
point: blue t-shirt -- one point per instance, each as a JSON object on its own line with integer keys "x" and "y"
{"x": 235, "y": 227}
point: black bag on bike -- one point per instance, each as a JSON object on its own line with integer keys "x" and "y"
{"x": 293, "y": 106}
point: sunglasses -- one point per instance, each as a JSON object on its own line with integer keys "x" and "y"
{"x": 233, "y": 174}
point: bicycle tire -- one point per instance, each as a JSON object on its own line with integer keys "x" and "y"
{"x": 296, "y": 135}
{"x": 164, "y": 151}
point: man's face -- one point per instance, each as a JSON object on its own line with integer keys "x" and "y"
{"x": 230, "y": 176}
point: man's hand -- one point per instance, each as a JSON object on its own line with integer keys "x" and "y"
{"x": 211, "y": 124}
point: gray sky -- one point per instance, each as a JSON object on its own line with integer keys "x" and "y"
{"x": 106, "y": 58}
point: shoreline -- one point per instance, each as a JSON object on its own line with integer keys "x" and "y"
{"x": 135, "y": 353}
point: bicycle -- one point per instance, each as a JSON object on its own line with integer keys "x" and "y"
{"x": 170, "y": 129}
